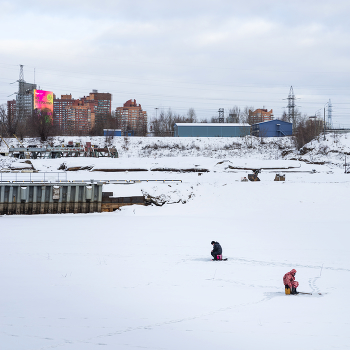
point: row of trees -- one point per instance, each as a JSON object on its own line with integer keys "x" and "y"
{"x": 305, "y": 128}
{"x": 37, "y": 124}
{"x": 163, "y": 124}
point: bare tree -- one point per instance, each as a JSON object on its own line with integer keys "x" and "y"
{"x": 235, "y": 115}
{"x": 41, "y": 124}
{"x": 191, "y": 116}
{"x": 164, "y": 124}
{"x": 306, "y": 130}
{"x": 284, "y": 117}
{"x": 296, "y": 119}
{"x": 141, "y": 126}
{"x": 104, "y": 121}
{"x": 10, "y": 121}
{"x": 3, "y": 117}
{"x": 214, "y": 120}
{"x": 246, "y": 118}
{"x": 156, "y": 126}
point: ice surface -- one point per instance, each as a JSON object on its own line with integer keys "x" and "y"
{"x": 142, "y": 277}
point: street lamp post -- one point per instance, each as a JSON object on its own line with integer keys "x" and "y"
{"x": 313, "y": 120}
{"x": 315, "y": 117}
{"x": 324, "y": 121}
{"x": 151, "y": 128}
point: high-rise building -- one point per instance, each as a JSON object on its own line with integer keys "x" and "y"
{"x": 61, "y": 112}
{"x": 102, "y": 103}
{"x": 11, "y": 108}
{"x": 25, "y": 99}
{"x": 80, "y": 117}
{"x": 133, "y": 119}
{"x": 260, "y": 115}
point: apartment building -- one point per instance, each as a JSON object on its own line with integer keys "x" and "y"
{"x": 103, "y": 101}
{"x": 80, "y": 117}
{"x": 133, "y": 119}
{"x": 260, "y": 115}
{"x": 11, "y": 108}
{"x": 61, "y": 112}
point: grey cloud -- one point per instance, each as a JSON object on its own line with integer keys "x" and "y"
{"x": 182, "y": 54}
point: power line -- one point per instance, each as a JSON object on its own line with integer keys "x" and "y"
{"x": 138, "y": 79}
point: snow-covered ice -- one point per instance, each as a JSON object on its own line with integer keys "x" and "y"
{"x": 142, "y": 277}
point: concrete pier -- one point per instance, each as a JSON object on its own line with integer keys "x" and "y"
{"x": 50, "y": 198}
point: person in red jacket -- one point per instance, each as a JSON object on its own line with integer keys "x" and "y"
{"x": 290, "y": 283}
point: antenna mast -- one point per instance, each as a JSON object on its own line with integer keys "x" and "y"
{"x": 20, "y": 95}
{"x": 291, "y": 105}
{"x": 221, "y": 115}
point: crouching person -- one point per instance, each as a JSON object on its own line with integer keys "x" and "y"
{"x": 290, "y": 284}
{"x": 217, "y": 250}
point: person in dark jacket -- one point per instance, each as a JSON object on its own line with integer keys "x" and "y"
{"x": 217, "y": 250}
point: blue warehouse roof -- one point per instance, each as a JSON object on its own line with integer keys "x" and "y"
{"x": 212, "y": 124}
{"x": 273, "y": 122}
{"x": 211, "y": 129}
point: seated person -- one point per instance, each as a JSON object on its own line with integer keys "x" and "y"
{"x": 217, "y": 250}
{"x": 290, "y": 283}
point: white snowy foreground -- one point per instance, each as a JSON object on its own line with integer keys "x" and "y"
{"x": 142, "y": 278}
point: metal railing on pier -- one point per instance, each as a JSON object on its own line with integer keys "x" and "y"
{"x": 33, "y": 177}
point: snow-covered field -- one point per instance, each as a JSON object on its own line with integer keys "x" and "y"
{"x": 142, "y": 278}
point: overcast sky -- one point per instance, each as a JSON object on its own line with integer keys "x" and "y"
{"x": 181, "y": 54}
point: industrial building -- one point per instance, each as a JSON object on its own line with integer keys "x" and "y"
{"x": 23, "y": 106}
{"x": 25, "y": 99}
{"x": 272, "y": 128}
{"x": 211, "y": 130}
